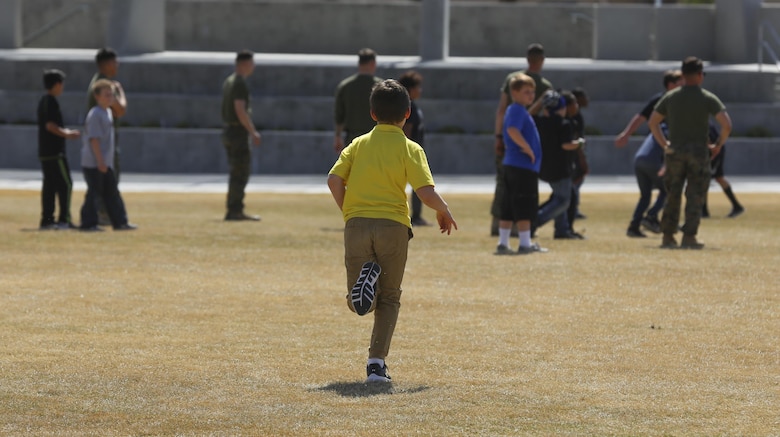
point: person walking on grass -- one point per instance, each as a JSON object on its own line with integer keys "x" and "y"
{"x": 52, "y": 133}
{"x": 368, "y": 183}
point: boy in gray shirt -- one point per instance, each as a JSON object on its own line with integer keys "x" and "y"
{"x": 97, "y": 160}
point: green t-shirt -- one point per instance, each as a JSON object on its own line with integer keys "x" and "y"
{"x": 352, "y": 108}
{"x": 687, "y": 112}
{"x": 234, "y": 88}
{"x": 542, "y": 84}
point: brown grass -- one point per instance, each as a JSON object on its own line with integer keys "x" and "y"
{"x": 194, "y": 326}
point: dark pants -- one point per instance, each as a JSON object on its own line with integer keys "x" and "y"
{"x": 647, "y": 178}
{"x": 693, "y": 168}
{"x": 102, "y": 186}
{"x": 236, "y": 142}
{"x": 57, "y": 184}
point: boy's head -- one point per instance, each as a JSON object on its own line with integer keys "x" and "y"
{"x": 103, "y": 90}
{"x": 672, "y": 79}
{"x": 522, "y": 88}
{"x": 412, "y": 81}
{"x": 389, "y": 102}
{"x": 107, "y": 62}
{"x": 572, "y": 107}
{"x": 245, "y": 62}
{"x": 52, "y": 81}
{"x": 582, "y": 97}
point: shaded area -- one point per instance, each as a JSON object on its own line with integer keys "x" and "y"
{"x": 363, "y": 389}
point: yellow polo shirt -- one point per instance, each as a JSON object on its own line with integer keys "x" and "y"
{"x": 377, "y": 167}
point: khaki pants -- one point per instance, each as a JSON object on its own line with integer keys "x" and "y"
{"x": 385, "y": 242}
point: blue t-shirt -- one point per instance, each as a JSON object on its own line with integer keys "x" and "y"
{"x": 518, "y": 117}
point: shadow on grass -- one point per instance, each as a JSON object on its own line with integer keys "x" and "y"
{"x": 363, "y": 390}
{"x": 332, "y": 229}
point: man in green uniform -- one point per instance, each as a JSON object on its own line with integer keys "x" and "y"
{"x": 535, "y": 59}
{"x": 687, "y": 151}
{"x": 352, "y": 111}
{"x": 238, "y": 128}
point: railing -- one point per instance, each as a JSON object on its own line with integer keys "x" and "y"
{"x": 764, "y": 45}
{"x": 77, "y": 9}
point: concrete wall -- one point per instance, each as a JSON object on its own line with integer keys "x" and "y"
{"x": 200, "y": 151}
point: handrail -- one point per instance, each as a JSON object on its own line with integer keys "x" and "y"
{"x": 81, "y": 7}
{"x": 763, "y": 44}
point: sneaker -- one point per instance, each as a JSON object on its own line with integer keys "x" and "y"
{"x": 377, "y": 373}
{"x": 504, "y": 250}
{"x": 126, "y": 227}
{"x": 419, "y": 221}
{"x": 534, "y": 247}
{"x": 64, "y": 226}
{"x": 568, "y": 235}
{"x": 736, "y": 212}
{"x": 240, "y": 216}
{"x": 689, "y": 242}
{"x": 668, "y": 242}
{"x": 363, "y": 292}
{"x": 634, "y": 232}
{"x": 48, "y": 227}
{"x": 651, "y": 224}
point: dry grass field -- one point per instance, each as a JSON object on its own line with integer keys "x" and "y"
{"x": 194, "y": 326}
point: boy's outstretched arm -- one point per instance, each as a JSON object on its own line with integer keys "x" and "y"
{"x": 431, "y": 198}
{"x": 337, "y": 189}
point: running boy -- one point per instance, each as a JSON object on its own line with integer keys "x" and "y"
{"x": 51, "y": 152}
{"x": 97, "y": 161}
{"x": 521, "y": 164}
{"x": 368, "y": 183}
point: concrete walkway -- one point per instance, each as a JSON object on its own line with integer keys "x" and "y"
{"x": 315, "y": 184}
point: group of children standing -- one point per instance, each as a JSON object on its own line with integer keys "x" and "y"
{"x": 98, "y": 152}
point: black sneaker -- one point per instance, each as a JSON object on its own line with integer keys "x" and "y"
{"x": 48, "y": 227}
{"x": 568, "y": 236}
{"x": 363, "y": 292}
{"x": 377, "y": 373}
{"x": 651, "y": 224}
{"x": 736, "y": 212}
{"x": 635, "y": 233}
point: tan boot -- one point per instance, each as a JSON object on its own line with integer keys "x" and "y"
{"x": 668, "y": 242}
{"x": 689, "y": 242}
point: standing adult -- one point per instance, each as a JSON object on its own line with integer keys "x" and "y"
{"x": 687, "y": 151}
{"x": 236, "y": 132}
{"x": 352, "y": 109}
{"x": 535, "y": 59}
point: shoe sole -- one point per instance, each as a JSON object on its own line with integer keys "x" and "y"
{"x": 363, "y": 292}
{"x": 377, "y": 378}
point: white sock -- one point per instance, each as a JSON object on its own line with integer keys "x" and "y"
{"x": 503, "y": 236}
{"x": 379, "y": 361}
{"x": 525, "y": 238}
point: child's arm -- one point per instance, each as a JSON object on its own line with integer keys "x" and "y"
{"x": 338, "y": 189}
{"x": 61, "y": 131}
{"x": 94, "y": 143}
{"x": 518, "y": 138}
{"x": 431, "y": 198}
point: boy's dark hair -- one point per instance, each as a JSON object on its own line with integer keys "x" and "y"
{"x": 365, "y": 56}
{"x": 410, "y": 79}
{"x": 389, "y": 101}
{"x": 105, "y": 54}
{"x": 52, "y": 77}
{"x": 244, "y": 55}
{"x": 671, "y": 76}
{"x": 568, "y": 96}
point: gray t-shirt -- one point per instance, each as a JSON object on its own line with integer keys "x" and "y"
{"x": 100, "y": 125}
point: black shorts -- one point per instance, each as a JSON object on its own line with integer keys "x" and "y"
{"x": 521, "y": 201}
{"x": 716, "y": 165}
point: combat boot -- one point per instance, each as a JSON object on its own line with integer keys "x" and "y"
{"x": 668, "y": 242}
{"x": 689, "y": 242}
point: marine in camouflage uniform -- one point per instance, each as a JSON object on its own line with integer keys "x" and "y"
{"x": 687, "y": 151}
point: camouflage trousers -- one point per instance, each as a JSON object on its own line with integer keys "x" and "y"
{"x": 236, "y": 142}
{"x": 688, "y": 169}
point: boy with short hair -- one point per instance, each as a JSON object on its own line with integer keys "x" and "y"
{"x": 521, "y": 164}
{"x": 368, "y": 183}
{"x": 97, "y": 160}
{"x": 51, "y": 152}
